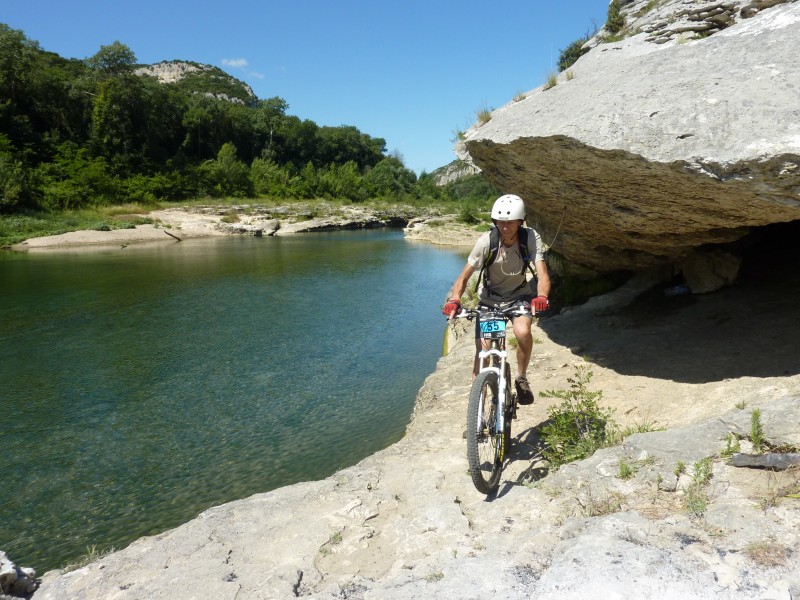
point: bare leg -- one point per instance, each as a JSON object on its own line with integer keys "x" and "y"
{"x": 522, "y": 331}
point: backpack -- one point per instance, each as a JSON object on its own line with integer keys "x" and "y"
{"x": 494, "y": 251}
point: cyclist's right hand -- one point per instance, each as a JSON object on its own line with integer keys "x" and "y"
{"x": 451, "y": 308}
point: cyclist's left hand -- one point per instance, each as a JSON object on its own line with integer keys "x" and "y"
{"x": 540, "y": 304}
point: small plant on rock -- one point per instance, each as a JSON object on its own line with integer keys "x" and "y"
{"x": 484, "y": 115}
{"x": 92, "y": 554}
{"x": 695, "y": 496}
{"x": 756, "y": 431}
{"x": 578, "y": 426}
{"x": 731, "y": 446}
{"x": 626, "y": 471}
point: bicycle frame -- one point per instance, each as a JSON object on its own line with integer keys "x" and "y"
{"x": 497, "y": 350}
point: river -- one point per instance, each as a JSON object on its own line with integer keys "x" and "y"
{"x": 142, "y": 385}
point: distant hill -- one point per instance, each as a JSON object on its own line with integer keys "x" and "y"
{"x": 198, "y": 78}
{"x": 453, "y": 171}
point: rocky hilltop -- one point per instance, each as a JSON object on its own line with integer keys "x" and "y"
{"x": 199, "y": 78}
{"x": 675, "y": 144}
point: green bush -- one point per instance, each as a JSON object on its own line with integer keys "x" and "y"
{"x": 75, "y": 180}
{"x": 571, "y": 54}
{"x": 474, "y": 189}
{"x": 615, "y": 21}
{"x": 226, "y": 176}
{"x": 151, "y": 189}
{"x": 467, "y": 215}
{"x": 578, "y": 426}
{"x": 271, "y": 179}
{"x": 16, "y": 191}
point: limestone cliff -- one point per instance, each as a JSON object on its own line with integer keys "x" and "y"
{"x": 680, "y": 138}
{"x": 201, "y": 79}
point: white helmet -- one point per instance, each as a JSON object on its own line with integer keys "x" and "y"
{"x": 508, "y": 208}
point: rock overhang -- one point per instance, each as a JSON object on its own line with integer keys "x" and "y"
{"x": 646, "y": 152}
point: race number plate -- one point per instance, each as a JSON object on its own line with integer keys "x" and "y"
{"x": 493, "y": 329}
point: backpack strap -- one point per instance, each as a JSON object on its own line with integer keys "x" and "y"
{"x": 494, "y": 251}
{"x": 524, "y": 251}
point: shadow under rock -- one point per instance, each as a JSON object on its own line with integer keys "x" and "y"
{"x": 751, "y": 329}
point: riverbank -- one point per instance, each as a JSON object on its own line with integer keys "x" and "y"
{"x": 407, "y": 522}
{"x": 176, "y": 224}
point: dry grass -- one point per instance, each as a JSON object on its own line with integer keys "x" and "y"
{"x": 778, "y": 485}
{"x": 767, "y": 553}
{"x": 552, "y": 81}
{"x": 484, "y": 114}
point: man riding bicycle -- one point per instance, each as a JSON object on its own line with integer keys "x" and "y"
{"x": 502, "y": 256}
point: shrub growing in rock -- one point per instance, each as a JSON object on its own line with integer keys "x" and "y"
{"x": 616, "y": 21}
{"x": 571, "y": 53}
{"x": 578, "y": 426}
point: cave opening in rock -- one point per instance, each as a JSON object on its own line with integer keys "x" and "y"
{"x": 771, "y": 254}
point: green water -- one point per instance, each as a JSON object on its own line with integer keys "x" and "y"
{"x": 139, "y": 386}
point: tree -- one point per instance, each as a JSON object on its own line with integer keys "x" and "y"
{"x": 75, "y": 179}
{"x": 16, "y": 192}
{"x": 339, "y": 145}
{"x": 268, "y": 115}
{"x": 136, "y": 123}
{"x": 114, "y": 59}
{"x": 227, "y": 175}
{"x": 390, "y": 178}
{"x": 270, "y": 179}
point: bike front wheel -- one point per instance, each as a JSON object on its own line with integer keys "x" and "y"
{"x": 484, "y": 442}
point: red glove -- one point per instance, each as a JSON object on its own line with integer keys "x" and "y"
{"x": 451, "y": 308}
{"x": 540, "y": 304}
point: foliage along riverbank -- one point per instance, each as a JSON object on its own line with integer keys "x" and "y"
{"x": 132, "y": 223}
{"x": 104, "y": 131}
{"x": 15, "y": 229}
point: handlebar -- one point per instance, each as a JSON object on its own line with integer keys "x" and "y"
{"x": 508, "y": 313}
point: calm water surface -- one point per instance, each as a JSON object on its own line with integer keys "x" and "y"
{"x": 139, "y": 386}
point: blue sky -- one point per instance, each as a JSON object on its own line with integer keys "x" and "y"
{"x": 412, "y": 72}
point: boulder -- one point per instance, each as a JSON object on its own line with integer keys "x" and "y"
{"x": 14, "y": 580}
{"x": 645, "y": 152}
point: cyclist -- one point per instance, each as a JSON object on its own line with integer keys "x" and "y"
{"x": 504, "y": 283}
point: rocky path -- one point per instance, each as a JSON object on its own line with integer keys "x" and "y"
{"x": 407, "y": 523}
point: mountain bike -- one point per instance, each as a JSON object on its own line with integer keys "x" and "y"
{"x": 492, "y": 399}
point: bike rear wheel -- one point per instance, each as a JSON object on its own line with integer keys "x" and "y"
{"x": 484, "y": 443}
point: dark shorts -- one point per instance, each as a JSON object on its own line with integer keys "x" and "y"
{"x": 518, "y": 302}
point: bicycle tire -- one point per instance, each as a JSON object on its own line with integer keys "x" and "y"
{"x": 484, "y": 454}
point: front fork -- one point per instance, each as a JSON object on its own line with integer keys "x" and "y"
{"x": 503, "y": 394}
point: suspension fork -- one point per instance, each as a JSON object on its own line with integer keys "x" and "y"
{"x": 502, "y": 385}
